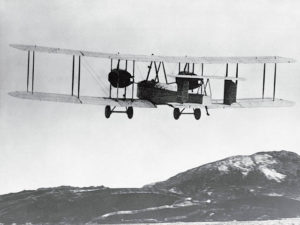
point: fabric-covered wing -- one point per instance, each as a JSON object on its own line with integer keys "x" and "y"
{"x": 241, "y": 103}
{"x": 156, "y": 58}
{"x": 252, "y": 103}
{"x": 52, "y": 97}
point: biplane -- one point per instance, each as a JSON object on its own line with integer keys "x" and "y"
{"x": 187, "y": 94}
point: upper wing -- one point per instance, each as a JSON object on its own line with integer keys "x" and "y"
{"x": 40, "y": 96}
{"x": 156, "y": 58}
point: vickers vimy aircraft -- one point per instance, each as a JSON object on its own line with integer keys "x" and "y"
{"x": 189, "y": 91}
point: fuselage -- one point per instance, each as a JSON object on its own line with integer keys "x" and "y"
{"x": 161, "y": 93}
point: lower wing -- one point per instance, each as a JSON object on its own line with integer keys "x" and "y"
{"x": 240, "y": 103}
{"x": 52, "y": 97}
{"x": 252, "y": 103}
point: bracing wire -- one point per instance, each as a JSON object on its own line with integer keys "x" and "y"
{"x": 217, "y": 70}
{"x": 92, "y": 71}
{"x": 139, "y": 72}
{"x": 94, "y": 75}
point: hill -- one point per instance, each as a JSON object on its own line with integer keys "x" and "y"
{"x": 262, "y": 186}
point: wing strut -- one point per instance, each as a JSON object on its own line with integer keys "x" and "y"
{"x": 264, "y": 80}
{"x": 133, "y": 76}
{"x": 73, "y": 65}
{"x": 226, "y": 74}
{"x": 28, "y": 64}
{"x": 111, "y": 68}
{"x": 157, "y": 68}
{"x": 165, "y": 74}
{"x": 32, "y": 74}
{"x": 274, "y": 88}
{"x": 79, "y": 69}
{"x": 237, "y": 73}
{"x": 149, "y": 70}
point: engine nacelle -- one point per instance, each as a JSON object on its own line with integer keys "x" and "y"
{"x": 193, "y": 83}
{"x": 119, "y": 78}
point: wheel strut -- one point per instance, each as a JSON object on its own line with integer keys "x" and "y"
{"x": 177, "y": 113}
{"x": 207, "y": 113}
{"x": 108, "y": 111}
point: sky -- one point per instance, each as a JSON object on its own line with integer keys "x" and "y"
{"x": 47, "y": 144}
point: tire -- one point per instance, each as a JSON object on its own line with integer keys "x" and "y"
{"x": 197, "y": 114}
{"x": 129, "y": 112}
{"x": 107, "y": 111}
{"x": 176, "y": 113}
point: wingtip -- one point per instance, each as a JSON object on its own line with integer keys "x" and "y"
{"x": 13, "y": 45}
{"x": 14, "y": 94}
{"x": 287, "y": 60}
{"x": 23, "y": 47}
{"x": 17, "y": 46}
{"x": 291, "y": 103}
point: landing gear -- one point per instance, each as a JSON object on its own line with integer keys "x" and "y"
{"x": 197, "y": 114}
{"x": 176, "y": 113}
{"x": 207, "y": 113}
{"x": 129, "y": 112}
{"x": 108, "y": 111}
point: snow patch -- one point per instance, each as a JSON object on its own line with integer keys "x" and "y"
{"x": 246, "y": 164}
{"x": 265, "y": 159}
{"x": 136, "y": 211}
{"x": 125, "y": 192}
{"x": 175, "y": 218}
{"x": 185, "y": 203}
{"x": 272, "y": 174}
{"x": 243, "y": 163}
{"x": 223, "y": 168}
{"x": 84, "y": 190}
{"x": 274, "y": 194}
{"x": 175, "y": 190}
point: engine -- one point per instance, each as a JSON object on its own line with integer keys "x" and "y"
{"x": 119, "y": 78}
{"x": 193, "y": 83}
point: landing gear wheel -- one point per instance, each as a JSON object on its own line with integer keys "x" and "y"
{"x": 197, "y": 114}
{"x": 129, "y": 112}
{"x": 176, "y": 113}
{"x": 107, "y": 111}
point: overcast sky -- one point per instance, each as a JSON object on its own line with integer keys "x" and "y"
{"x": 44, "y": 144}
